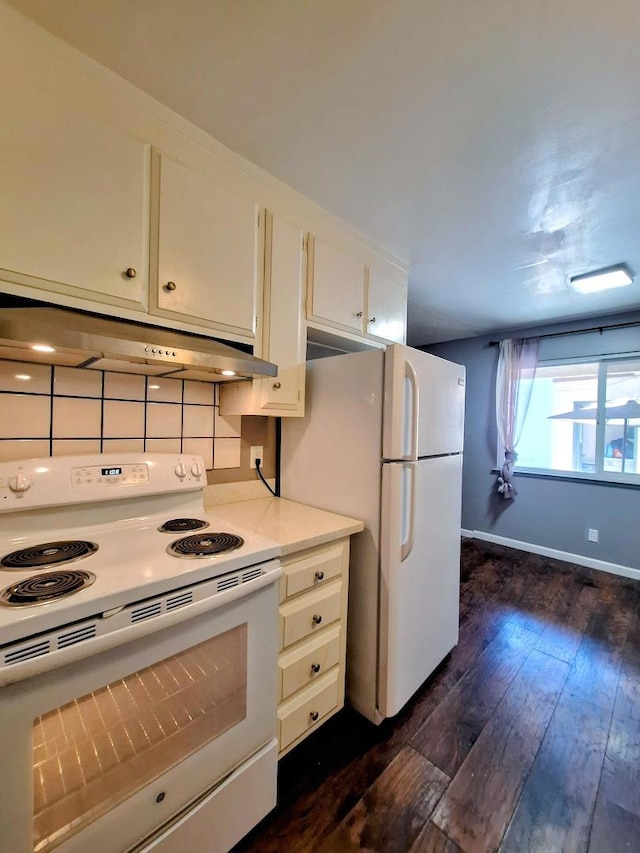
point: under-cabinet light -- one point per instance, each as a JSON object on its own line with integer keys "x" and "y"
{"x": 228, "y": 372}
{"x": 605, "y": 279}
{"x": 43, "y": 348}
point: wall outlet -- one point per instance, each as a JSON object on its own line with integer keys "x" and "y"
{"x": 592, "y": 534}
{"x": 256, "y": 452}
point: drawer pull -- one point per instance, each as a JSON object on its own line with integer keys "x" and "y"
{"x": 315, "y": 667}
{"x": 314, "y": 715}
{"x": 317, "y": 619}
{"x": 319, "y": 576}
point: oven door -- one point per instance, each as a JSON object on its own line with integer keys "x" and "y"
{"x": 99, "y": 754}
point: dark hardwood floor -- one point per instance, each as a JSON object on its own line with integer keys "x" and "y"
{"x": 527, "y": 737}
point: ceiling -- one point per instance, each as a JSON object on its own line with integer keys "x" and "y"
{"x": 493, "y": 146}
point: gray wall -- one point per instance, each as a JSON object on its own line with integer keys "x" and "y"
{"x": 547, "y": 512}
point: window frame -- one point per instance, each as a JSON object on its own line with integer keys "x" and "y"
{"x": 600, "y": 475}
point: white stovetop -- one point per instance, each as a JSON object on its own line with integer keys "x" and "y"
{"x": 131, "y": 563}
{"x": 116, "y": 501}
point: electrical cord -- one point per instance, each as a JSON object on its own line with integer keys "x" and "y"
{"x": 260, "y": 474}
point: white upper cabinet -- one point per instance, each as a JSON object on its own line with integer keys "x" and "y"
{"x": 208, "y": 248}
{"x": 284, "y": 336}
{"x": 111, "y": 202}
{"x": 336, "y": 287}
{"x": 386, "y": 307}
{"x": 345, "y": 294}
{"x": 73, "y": 200}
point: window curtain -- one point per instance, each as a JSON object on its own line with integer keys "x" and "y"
{"x": 516, "y": 364}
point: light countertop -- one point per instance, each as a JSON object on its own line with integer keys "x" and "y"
{"x": 292, "y": 525}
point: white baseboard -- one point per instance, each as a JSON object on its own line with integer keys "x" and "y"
{"x": 467, "y": 534}
{"x": 579, "y": 559}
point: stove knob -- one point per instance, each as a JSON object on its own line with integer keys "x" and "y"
{"x": 196, "y": 470}
{"x": 19, "y": 483}
{"x": 180, "y": 470}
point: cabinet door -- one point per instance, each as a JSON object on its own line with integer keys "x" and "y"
{"x": 73, "y": 200}
{"x": 336, "y": 287}
{"x": 285, "y": 339}
{"x": 386, "y": 308}
{"x": 284, "y": 334}
{"x": 208, "y": 241}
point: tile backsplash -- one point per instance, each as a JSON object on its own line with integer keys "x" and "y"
{"x": 59, "y": 411}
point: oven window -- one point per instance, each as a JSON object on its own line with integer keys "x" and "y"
{"x": 96, "y": 751}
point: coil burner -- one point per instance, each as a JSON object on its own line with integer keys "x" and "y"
{"x": 49, "y": 586}
{"x": 182, "y": 525}
{"x": 48, "y": 555}
{"x": 204, "y": 545}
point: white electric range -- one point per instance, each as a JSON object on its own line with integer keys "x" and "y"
{"x": 129, "y": 615}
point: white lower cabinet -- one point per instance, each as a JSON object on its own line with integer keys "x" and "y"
{"x": 307, "y": 661}
{"x": 313, "y": 632}
{"x": 308, "y": 709}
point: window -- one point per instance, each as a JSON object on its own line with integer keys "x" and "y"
{"x": 584, "y": 419}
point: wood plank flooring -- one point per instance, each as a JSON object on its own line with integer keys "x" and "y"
{"x": 526, "y": 739}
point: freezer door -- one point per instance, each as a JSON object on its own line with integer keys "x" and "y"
{"x": 420, "y": 562}
{"x": 423, "y": 404}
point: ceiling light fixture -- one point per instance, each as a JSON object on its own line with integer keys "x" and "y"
{"x": 605, "y": 279}
{"x": 42, "y": 348}
{"x": 23, "y": 377}
{"x": 228, "y": 372}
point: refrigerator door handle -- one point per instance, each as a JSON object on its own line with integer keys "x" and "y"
{"x": 412, "y": 409}
{"x": 408, "y": 509}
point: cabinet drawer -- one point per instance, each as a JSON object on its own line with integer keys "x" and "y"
{"x": 317, "y": 567}
{"x": 308, "y": 662}
{"x": 309, "y": 614}
{"x": 306, "y": 710}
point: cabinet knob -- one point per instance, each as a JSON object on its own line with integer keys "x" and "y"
{"x": 315, "y": 667}
{"x": 130, "y": 272}
{"x": 317, "y": 618}
{"x": 314, "y": 715}
{"x": 372, "y": 319}
{"x": 359, "y": 314}
{"x": 277, "y": 385}
{"x": 319, "y": 576}
{"x": 170, "y": 285}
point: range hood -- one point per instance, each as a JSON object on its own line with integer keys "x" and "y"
{"x": 32, "y": 331}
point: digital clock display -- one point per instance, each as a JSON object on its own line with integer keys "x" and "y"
{"x": 111, "y": 472}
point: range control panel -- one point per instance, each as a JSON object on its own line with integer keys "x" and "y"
{"x": 55, "y": 481}
{"x": 109, "y": 475}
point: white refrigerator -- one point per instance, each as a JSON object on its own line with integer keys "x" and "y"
{"x": 381, "y": 441}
